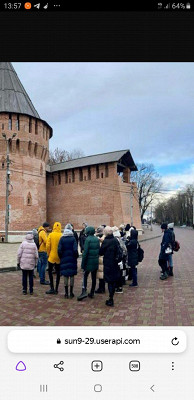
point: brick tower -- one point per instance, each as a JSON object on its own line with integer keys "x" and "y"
{"x": 28, "y": 152}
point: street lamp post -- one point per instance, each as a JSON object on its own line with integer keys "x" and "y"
{"x": 7, "y": 185}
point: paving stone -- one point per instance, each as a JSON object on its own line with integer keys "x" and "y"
{"x": 153, "y": 303}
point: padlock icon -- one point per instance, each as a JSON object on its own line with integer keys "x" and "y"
{"x": 58, "y": 341}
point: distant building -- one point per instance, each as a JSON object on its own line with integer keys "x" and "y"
{"x": 94, "y": 189}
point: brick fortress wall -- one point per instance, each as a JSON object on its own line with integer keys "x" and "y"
{"x": 95, "y": 195}
{"x": 28, "y": 155}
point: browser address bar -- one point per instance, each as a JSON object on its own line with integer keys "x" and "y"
{"x": 96, "y": 341}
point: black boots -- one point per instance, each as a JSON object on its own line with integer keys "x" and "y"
{"x": 51, "y": 291}
{"x": 171, "y": 272}
{"x": 66, "y": 292}
{"x": 110, "y": 302}
{"x": 71, "y": 292}
{"x": 91, "y": 295}
{"x": 83, "y": 295}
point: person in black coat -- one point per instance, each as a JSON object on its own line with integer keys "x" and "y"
{"x": 132, "y": 246}
{"x": 163, "y": 256}
{"x": 75, "y": 234}
{"x": 110, "y": 250}
{"x": 68, "y": 254}
{"x": 82, "y": 236}
{"x": 170, "y": 259}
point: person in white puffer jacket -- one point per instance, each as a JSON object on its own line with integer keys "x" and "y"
{"x": 27, "y": 259}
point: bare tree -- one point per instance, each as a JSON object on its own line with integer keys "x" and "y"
{"x": 148, "y": 183}
{"x": 59, "y": 155}
{"x": 177, "y": 209}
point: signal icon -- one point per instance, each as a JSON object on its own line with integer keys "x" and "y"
{"x": 37, "y": 5}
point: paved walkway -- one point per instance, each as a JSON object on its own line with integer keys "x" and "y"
{"x": 8, "y": 251}
{"x": 154, "y": 302}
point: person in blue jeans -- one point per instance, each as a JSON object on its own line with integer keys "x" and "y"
{"x": 43, "y": 257}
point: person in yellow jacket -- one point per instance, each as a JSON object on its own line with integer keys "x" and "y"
{"x": 53, "y": 258}
{"x": 42, "y": 262}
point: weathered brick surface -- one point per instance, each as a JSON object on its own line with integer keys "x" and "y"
{"x": 103, "y": 200}
{"x": 28, "y": 154}
{"x": 97, "y": 197}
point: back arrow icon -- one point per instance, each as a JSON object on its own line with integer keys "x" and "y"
{"x": 152, "y": 388}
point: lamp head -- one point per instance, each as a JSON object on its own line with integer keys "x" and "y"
{"x": 4, "y": 135}
{"x": 14, "y": 134}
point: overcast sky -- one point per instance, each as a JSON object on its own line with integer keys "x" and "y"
{"x": 101, "y": 107}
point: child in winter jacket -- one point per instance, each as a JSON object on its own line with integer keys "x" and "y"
{"x": 27, "y": 259}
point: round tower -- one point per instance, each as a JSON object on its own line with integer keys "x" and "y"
{"x": 25, "y": 136}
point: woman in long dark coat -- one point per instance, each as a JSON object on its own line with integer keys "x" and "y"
{"x": 132, "y": 252}
{"x": 110, "y": 251}
{"x": 68, "y": 254}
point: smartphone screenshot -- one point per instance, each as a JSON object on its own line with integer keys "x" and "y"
{"x": 96, "y": 201}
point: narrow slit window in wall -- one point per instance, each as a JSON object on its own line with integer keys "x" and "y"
{"x": 36, "y": 127}
{"x": 89, "y": 173}
{"x": 66, "y": 177}
{"x": 10, "y": 122}
{"x": 97, "y": 171}
{"x": 30, "y": 125}
{"x": 80, "y": 174}
{"x": 18, "y": 122}
{"x": 29, "y": 199}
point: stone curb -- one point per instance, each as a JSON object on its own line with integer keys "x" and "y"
{"x": 145, "y": 240}
{"x": 11, "y": 269}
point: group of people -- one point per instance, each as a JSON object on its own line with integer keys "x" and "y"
{"x": 108, "y": 254}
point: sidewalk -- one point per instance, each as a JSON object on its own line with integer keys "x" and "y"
{"x": 152, "y": 303}
{"x": 8, "y": 251}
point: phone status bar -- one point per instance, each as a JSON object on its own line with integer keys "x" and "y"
{"x": 62, "y": 6}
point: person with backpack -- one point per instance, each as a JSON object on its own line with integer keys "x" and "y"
{"x": 27, "y": 258}
{"x": 132, "y": 251}
{"x": 110, "y": 250}
{"x": 122, "y": 260}
{"x": 165, "y": 250}
{"x": 170, "y": 259}
{"x": 90, "y": 261}
{"x": 43, "y": 258}
{"x": 53, "y": 257}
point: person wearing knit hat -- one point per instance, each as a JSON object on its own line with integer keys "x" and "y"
{"x": 165, "y": 250}
{"x": 110, "y": 251}
{"x": 122, "y": 230}
{"x": 170, "y": 259}
{"x": 100, "y": 273}
{"x": 27, "y": 258}
{"x": 90, "y": 262}
{"x": 68, "y": 254}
